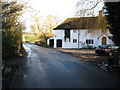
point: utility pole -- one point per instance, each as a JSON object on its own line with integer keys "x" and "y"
{"x": 78, "y": 38}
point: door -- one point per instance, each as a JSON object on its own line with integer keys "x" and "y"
{"x": 51, "y": 43}
{"x": 104, "y": 40}
{"x": 59, "y": 43}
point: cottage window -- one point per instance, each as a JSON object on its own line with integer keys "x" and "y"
{"x": 74, "y": 31}
{"x": 74, "y": 40}
{"x": 67, "y": 34}
{"x": 89, "y": 41}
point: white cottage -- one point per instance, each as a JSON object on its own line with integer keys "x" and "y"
{"x": 80, "y": 33}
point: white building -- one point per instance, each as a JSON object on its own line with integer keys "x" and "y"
{"x": 80, "y": 33}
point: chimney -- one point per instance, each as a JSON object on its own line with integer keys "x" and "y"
{"x": 100, "y": 13}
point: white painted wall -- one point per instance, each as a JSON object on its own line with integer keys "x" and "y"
{"x": 70, "y": 44}
{"x": 83, "y": 35}
{"x": 58, "y": 34}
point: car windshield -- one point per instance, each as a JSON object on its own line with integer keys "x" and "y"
{"x": 103, "y": 46}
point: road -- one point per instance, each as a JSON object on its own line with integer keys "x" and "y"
{"x": 47, "y": 68}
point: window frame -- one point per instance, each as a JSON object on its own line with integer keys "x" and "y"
{"x": 74, "y": 40}
{"x": 89, "y": 41}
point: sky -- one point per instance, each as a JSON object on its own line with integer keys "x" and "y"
{"x": 61, "y": 8}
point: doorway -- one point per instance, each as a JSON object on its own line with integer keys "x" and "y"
{"x": 104, "y": 40}
{"x": 51, "y": 43}
{"x": 59, "y": 43}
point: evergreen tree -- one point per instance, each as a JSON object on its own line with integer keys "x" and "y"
{"x": 113, "y": 17}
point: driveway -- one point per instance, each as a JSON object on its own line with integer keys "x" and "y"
{"x": 46, "y": 68}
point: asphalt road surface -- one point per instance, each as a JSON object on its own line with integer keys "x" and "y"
{"x": 46, "y": 68}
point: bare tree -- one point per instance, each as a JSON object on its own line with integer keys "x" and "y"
{"x": 45, "y": 25}
{"x": 87, "y": 7}
{"x": 12, "y": 27}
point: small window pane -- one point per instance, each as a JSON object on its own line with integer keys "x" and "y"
{"x": 87, "y": 42}
{"x": 92, "y": 42}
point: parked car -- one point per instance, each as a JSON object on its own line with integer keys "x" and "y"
{"x": 105, "y": 49}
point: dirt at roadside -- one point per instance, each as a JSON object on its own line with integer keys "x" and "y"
{"x": 89, "y": 56}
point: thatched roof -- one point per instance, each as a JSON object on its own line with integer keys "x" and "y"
{"x": 83, "y": 23}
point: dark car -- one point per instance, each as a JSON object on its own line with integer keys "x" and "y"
{"x": 105, "y": 49}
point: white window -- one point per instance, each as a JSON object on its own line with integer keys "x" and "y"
{"x": 74, "y": 31}
{"x": 89, "y": 41}
{"x": 74, "y": 40}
